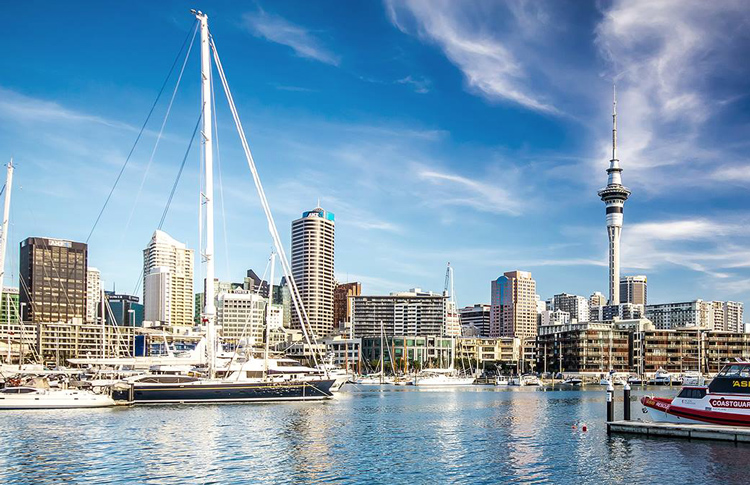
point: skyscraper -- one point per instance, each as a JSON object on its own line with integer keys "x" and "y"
{"x": 577, "y": 307}
{"x": 633, "y": 289}
{"x": 342, "y": 305}
{"x": 53, "y": 280}
{"x": 312, "y": 268}
{"x": 168, "y": 281}
{"x": 513, "y": 311}
{"x": 614, "y": 196}
{"x": 93, "y": 294}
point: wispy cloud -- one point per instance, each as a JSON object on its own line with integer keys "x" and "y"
{"x": 490, "y": 67}
{"x": 277, "y": 29}
{"x": 457, "y": 190}
{"x": 665, "y": 56}
{"x": 420, "y": 85}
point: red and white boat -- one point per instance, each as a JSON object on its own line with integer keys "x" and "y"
{"x": 725, "y": 401}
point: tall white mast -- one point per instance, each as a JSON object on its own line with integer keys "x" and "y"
{"x": 4, "y": 235}
{"x": 268, "y": 314}
{"x": 209, "y": 309}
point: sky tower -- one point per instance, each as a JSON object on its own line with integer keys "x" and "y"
{"x": 614, "y": 196}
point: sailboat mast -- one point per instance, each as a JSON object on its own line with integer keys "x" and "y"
{"x": 209, "y": 308}
{"x": 268, "y": 314}
{"x": 4, "y": 235}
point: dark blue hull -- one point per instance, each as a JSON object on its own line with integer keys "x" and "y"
{"x": 223, "y": 392}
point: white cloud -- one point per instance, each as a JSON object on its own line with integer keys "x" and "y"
{"x": 420, "y": 85}
{"x": 665, "y": 57}
{"x": 277, "y": 29}
{"x": 457, "y": 190}
{"x": 489, "y": 66}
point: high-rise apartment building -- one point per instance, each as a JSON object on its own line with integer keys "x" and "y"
{"x": 413, "y": 312}
{"x": 168, "y": 281}
{"x": 478, "y": 317}
{"x": 312, "y": 269}
{"x": 689, "y": 314}
{"x": 9, "y": 311}
{"x": 733, "y": 316}
{"x": 241, "y": 316}
{"x": 513, "y": 312}
{"x": 597, "y": 299}
{"x": 342, "y": 306}
{"x": 633, "y": 289}
{"x": 718, "y": 309}
{"x": 53, "y": 280}
{"x": 93, "y": 294}
{"x": 577, "y": 307}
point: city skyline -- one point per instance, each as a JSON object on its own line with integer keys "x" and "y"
{"x": 408, "y": 183}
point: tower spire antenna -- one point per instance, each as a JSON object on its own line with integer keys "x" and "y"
{"x": 614, "y": 121}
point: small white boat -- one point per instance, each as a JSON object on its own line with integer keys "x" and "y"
{"x": 661, "y": 378}
{"x": 530, "y": 380}
{"x": 514, "y": 381}
{"x": 442, "y": 380}
{"x": 24, "y": 397}
{"x": 693, "y": 378}
{"x": 502, "y": 381}
{"x": 375, "y": 380}
{"x": 573, "y": 381}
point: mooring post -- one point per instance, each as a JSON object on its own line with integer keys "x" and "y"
{"x": 610, "y": 402}
{"x": 626, "y": 404}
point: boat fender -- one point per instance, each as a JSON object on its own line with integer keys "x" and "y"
{"x": 584, "y": 428}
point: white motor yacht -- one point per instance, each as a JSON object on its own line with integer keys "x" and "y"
{"x": 502, "y": 381}
{"x": 441, "y": 378}
{"x": 530, "y": 380}
{"x": 25, "y": 397}
{"x": 693, "y": 378}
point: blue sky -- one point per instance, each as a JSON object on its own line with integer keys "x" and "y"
{"x": 470, "y": 132}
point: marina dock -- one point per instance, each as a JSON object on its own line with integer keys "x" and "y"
{"x": 689, "y": 431}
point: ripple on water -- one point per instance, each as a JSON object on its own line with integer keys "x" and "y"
{"x": 400, "y": 436}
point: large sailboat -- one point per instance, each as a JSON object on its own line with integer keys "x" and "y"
{"x": 251, "y": 379}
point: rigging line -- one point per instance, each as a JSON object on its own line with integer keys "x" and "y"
{"x": 143, "y": 127}
{"x": 174, "y": 188}
{"x": 296, "y": 299}
{"x": 221, "y": 184}
{"x": 161, "y": 131}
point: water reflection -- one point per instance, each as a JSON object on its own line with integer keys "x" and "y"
{"x": 401, "y": 435}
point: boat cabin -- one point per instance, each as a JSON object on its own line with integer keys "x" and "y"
{"x": 733, "y": 379}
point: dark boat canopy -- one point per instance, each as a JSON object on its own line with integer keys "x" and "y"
{"x": 733, "y": 379}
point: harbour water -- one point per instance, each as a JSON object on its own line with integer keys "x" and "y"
{"x": 366, "y": 435}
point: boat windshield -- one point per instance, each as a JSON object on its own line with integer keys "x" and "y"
{"x": 692, "y": 393}
{"x": 18, "y": 390}
{"x": 738, "y": 370}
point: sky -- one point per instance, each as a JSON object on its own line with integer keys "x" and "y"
{"x": 473, "y": 132}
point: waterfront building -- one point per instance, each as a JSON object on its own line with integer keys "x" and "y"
{"x": 695, "y": 313}
{"x": 614, "y": 196}
{"x": 513, "y": 312}
{"x": 577, "y": 307}
{"x": 59, "y": 341}
{"x": 338, "y": 350}
{"x": 414, "y": 312}
{"x": 342, "y": 306}
{"x": 426, "y": 351}
{"x": 168, "y": 281}
{"x": 477, "y": 317}
{"x": 285, "y": 300}
{"x": 241, "y": 317}
{"x": 633, "y": 289}
{"x": 53, "y": 280}
{"x": 590, "y": 347}
{"x": 93, "y": 295}
{"x": 126, "y": 309}
{"x": 483, "y": 350}
{"x": 313, "y": 269}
